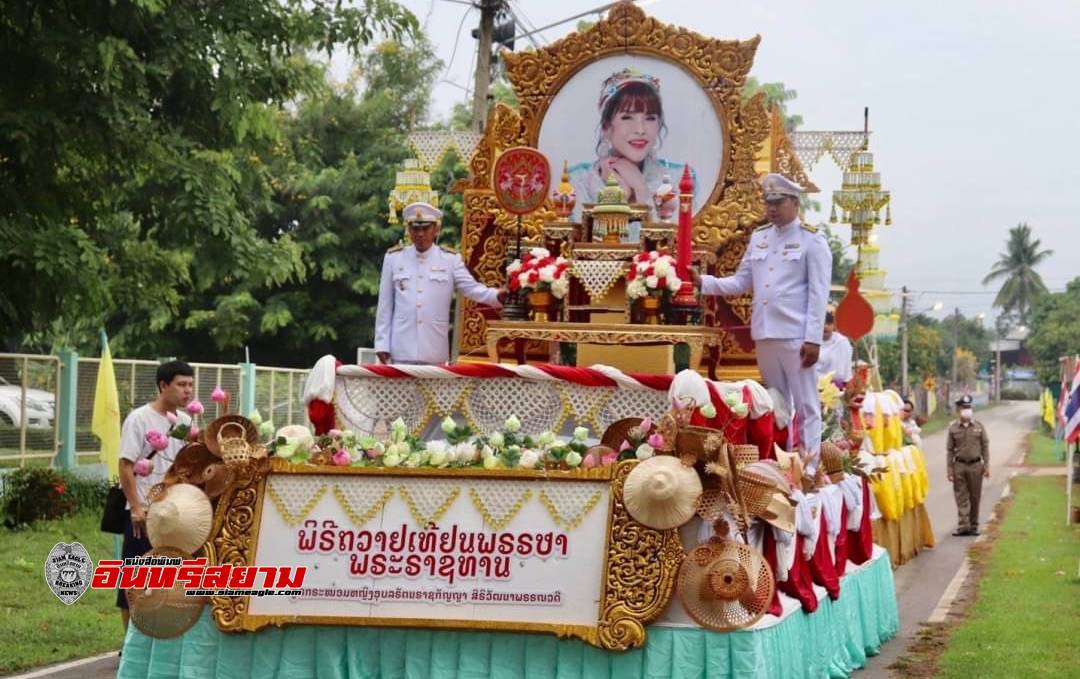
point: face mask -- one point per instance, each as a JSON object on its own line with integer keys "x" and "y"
{"x": 965, "y": 413}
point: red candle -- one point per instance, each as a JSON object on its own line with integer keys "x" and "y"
{"x": 684, "y": 239}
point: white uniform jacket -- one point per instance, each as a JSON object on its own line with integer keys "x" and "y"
{"x": 412, "y": 321}
{"x": 789, "y": 270}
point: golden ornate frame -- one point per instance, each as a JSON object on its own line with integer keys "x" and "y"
{"x": 724, "y": 222}
{"x": 639, "y": 574}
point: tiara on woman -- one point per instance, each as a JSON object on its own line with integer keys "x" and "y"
{"x": 621, "y": 79}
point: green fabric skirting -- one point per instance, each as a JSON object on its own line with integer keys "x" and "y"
{"x": 831, "y": 642}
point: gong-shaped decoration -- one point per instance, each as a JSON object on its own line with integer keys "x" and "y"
{"x": 522, "y": 179}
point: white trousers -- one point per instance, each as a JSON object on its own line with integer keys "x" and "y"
{"x": 781, "y": 367}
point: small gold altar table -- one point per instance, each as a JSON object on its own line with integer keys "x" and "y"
{"x": 697, "y": 337}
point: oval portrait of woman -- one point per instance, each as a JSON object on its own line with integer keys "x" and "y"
{"x": 640, "y": 119}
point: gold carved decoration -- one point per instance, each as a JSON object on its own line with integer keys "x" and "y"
{"x": 639, "y": 576}
{"x": 697, "y": 337}
{"x": 734, "y": 206}
{"x": 235, "y": 521}
{"x": 784, "y": 158}
{"x": 642, "y": 567}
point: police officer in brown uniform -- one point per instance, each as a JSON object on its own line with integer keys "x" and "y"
{"x": 968, "y": 463}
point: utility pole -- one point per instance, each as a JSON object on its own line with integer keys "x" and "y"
{"x": 482, "y": 80}
{"x": 956, "y": 349}
{"x": 905, "y": 385}
{"x": 997, "y": 364}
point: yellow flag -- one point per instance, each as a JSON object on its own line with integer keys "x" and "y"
{"x": 1048, "y": 409}
{"x": 105, "y": 423}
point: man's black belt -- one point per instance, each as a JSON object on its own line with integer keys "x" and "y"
{"x": 975, "y": 461}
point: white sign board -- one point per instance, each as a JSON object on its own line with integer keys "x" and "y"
{"x": 454, "y": 548}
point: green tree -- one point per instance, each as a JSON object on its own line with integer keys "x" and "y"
{"x": 775, "y": 94}
{"x": 841, "y": 263}
{"x": 1016, "y": 265}
{"x": 925, "y": 343}
{"x": 135, "y": 141}
{"x": 971, "y": 336}
{"x": 332, "y": 182}
{"x": 1055, "y": 331}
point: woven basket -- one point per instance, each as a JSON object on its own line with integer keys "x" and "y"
{"x": 211, "y": 435}
{"x": 745, "y": 454}
{"x": 832, "y": 458}
{"x": 234, "y": 449}
{"x": 756, "y": 490}
{"x": 703, "y": 443}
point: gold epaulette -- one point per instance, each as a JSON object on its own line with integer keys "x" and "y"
{"x": 447, "y": 248}
{"x": 396, "y": 248}
{"x": 811, "y": 229}
{"x": 763, "y": 226}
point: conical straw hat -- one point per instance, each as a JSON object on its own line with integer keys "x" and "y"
{"x": 164, "y": 613}
{"x": 661, "y": 492}
{"x": 725, "y": 585}
{"x": 180, "y": 519}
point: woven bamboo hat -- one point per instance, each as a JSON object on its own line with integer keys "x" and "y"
{"x": 725, "y": 585}
{"x": 661, "y": 492}
{"x": 164, "y": 613}
{"x": 180, "y": 518}
{"x": 190, "y": 464}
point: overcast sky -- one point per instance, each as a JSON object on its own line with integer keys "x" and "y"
{"x": 973, "y": 113}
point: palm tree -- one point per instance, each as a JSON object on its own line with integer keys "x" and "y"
{"x": 1017, "y": 266}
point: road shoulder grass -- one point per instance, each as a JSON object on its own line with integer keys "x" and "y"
{"x": 38, "y": 628}
{"x": 1043, "y": 450}
{"x": 1023, "y": 605}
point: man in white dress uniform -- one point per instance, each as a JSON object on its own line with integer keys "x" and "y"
{"x": 788, "y": 266}
{"x": 412, "y": 321}
{"x": 836, "y": 352}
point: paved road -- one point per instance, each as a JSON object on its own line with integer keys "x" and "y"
{"x": 921, "y": 582}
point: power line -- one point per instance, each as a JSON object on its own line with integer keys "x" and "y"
{"x": 456, "y": 40}
{"x": 965, "y": 292}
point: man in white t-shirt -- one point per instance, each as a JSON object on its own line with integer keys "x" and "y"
{"x": 176, "y": 386}
{"x": 836, "y": 352}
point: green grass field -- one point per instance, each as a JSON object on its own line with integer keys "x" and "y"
{"x": 1043, "y": 450}
{"x": 38, "y": 628}
{"x": 1023, "y": 622}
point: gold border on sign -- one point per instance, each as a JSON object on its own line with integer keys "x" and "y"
{"x": 641, "y": 564}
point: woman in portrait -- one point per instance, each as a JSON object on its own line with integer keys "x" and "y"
{"x": 629, "y": 137}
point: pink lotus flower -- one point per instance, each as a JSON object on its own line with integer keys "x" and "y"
{"x": 157, "y": 440}
{"x": 646, "y": 424}
{"x": 656, "y": 441}
{"x": 335, "y": 433}
{"x": 610, "y": 458}
{"x": 143, "y": 467}
{"x": 590, "y": 461}
{"x": 625, "y": 446}
{"x": 374, "y": 453}
{"x": 193, "y": 433}
{"x": 342, "y": 458}
{"x": 218, "y": 395}
{"x": 171, "y": 417}
{"x": 195, "y": 407}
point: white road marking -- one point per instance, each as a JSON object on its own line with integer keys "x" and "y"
{"x": 64, "y": 666}
{"x": 950, "y": 594}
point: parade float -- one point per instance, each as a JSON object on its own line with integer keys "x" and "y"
{"x": 514, "y": 517}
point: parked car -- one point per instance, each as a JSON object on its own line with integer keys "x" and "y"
{"x": 40, "y": 406}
